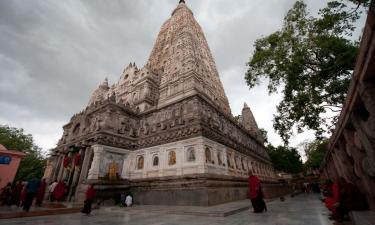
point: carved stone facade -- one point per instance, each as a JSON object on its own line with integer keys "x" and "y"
{"x": 170, "y": 119}
{"x": 351, "y": 152}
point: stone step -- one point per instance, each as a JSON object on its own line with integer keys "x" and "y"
{"x": 362, "y": 217}
{"x": 47, "y": 212}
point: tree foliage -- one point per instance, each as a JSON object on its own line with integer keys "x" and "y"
{"x": 285, "y": 159}
{"x": 33, "y": 164}
{"x": 315, "y": 152}
{"x": 310, "y": 61}
{"x": 264, "y": 134}
{"x": 237, "y": 119}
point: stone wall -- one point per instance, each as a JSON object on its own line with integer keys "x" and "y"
{"x": 198, "y": 189}
{"x": 351, "y": 152}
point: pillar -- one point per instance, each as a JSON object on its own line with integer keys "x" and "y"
{"x": 94, "y": 171}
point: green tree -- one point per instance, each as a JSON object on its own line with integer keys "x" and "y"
{"x": 285, "y": 159}
{"x": 237, "y": 119}
{"x": 310, "y": 61}
{"x": 33, "y": 164}
{"x": 264, "y": 134}
{"x": 315, "y": 152}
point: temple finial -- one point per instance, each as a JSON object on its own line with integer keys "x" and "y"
{"x": 182, "y": 1}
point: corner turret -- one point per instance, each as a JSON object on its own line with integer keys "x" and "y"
{"x": 249, "y": 123}
{"x": 100, "y": 93}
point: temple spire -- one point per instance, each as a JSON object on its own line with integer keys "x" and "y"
{"x": 181, "y": 53}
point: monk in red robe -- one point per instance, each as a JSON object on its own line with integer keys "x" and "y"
{"x": 255, "y": 193}
{"x": 66, "y": 161}
{"x": 59, "y": 191}
{"x": 23, "y": 196}
{"x": 90, "y": 195}
{"x": 333, "y": 200}
{"x": 77, "y": 159}
{"x": 40, "y": 193}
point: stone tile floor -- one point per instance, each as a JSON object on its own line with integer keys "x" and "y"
{"x": 300, "y": 210}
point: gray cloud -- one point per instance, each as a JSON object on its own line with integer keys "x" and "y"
{"x": 53, "y": 54}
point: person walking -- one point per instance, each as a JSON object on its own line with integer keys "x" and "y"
{"x": 16, "y": 193}
{"x": 31, "y": 190}
{"x": 255, "y": 194}
{"x": 59, "y": 191}
{"x": 51, "y": 188}
{"x": 23, "y": 195}
{"x": 90, "y": 195}
{"x": 40, "y": 193}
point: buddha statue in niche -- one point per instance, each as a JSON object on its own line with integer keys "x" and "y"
{"x": 172, "y": 158}
{"x": 112, "y": 170}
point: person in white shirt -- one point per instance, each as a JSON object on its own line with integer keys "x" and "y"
{"x": 51, "y": 188}
{"x": 129, "y": 200}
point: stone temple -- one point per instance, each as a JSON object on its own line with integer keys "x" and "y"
{"x": 164, "y": 131}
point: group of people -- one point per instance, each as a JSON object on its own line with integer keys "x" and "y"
{"x": 341, "y": 197}
{"x": 22, "y": 194}
{"x": 309, "y": 187}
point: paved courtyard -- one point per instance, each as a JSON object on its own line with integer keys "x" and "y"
{"x": 301, "y": 210}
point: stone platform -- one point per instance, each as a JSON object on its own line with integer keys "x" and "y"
{"x": 221, "y": 210}
{"x": 303, "y": 209}
{"x": 13, "y": 212}
{"x": 198, "y": 190}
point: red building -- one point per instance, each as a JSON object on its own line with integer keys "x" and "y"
{"x": 9, "y": 162}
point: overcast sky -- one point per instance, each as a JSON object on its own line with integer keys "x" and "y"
{"x": 53, "y": 54}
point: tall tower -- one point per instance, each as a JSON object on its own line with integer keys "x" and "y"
{"x": 182, "y": 58}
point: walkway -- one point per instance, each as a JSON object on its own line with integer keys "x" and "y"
{"x": 301, "y": 210}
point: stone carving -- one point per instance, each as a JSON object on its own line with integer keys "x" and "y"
{"x": 229, "y": 160}
{"x": 244, "y": 167}
{"x": 191, "y": 154}
{"x": 220, "y": 162}
{"x": 96, "y": 123}
{"x": 207, "y": 153}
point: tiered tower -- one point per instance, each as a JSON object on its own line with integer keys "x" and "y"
{"x": 183, "y": 59}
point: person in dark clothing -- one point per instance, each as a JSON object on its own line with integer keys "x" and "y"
{"x": 41, "y": 192}
{"x": 23, "y": 195}
{"x": 31, "y": 190}
{"x": 16, "y": 194}
{"x": 90, "y": 195}
{"x": 6, "y": 195}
